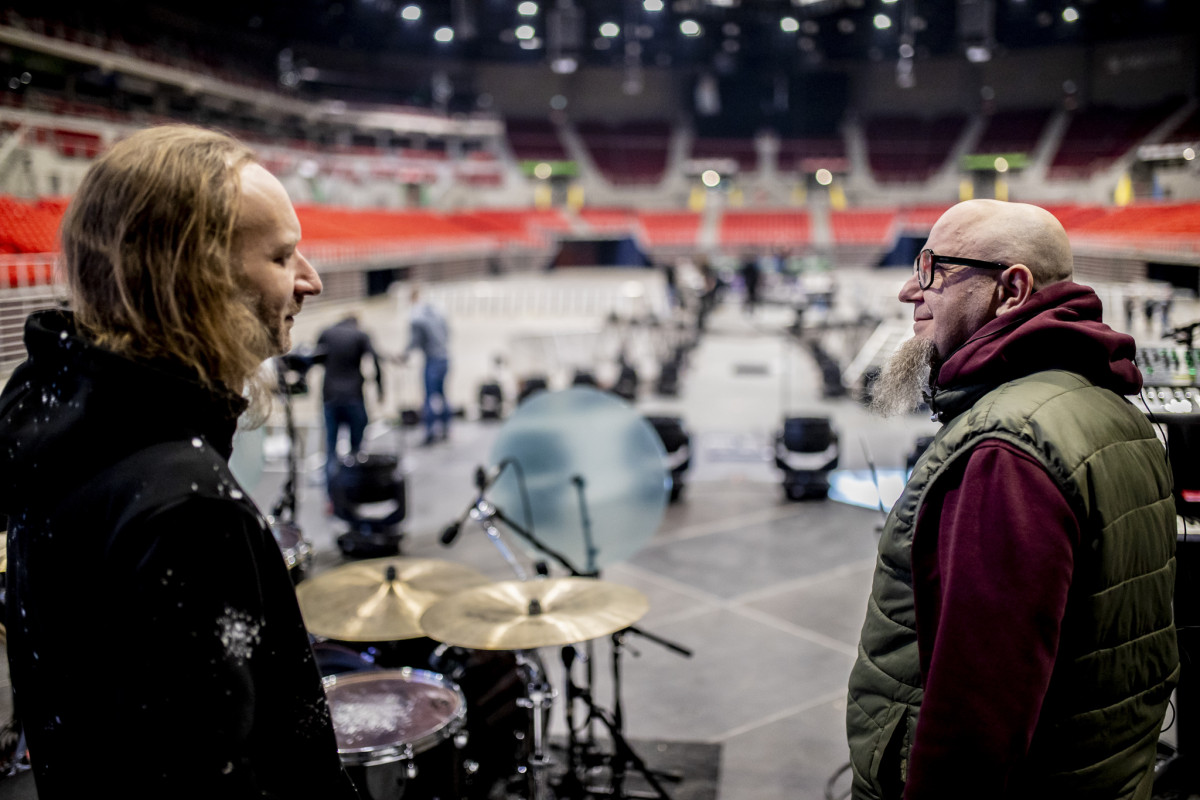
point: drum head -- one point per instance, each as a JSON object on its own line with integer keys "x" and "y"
{"x": 383, "y": 716}
{"x": 582, "y": 444}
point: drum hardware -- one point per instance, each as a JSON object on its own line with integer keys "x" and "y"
{"x": 539, "y": 699}
{"x": 574, "y": 440}
{"x": 296, "y": 550}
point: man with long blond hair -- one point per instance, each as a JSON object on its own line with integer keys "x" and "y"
{"x": 155, "y": 641}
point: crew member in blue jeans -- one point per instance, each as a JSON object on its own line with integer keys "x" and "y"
{"x": 429, "y": 333}
{"x": 341, "y": 349}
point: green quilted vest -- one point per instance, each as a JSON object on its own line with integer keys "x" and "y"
{"x": 1118, "y": 661}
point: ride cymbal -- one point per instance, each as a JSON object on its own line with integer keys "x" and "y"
{"x": 379, "y": 600}
{"x": 526, "y": 615}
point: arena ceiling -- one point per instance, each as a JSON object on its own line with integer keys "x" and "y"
{"x": 708, "y": 34}
{"x": 315, "y": 46}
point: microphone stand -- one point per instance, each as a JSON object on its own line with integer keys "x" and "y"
{"x": 287, "y": 499}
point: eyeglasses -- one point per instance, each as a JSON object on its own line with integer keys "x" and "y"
{"x": 925, "y": 263}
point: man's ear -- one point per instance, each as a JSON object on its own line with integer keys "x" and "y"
{"x": 1014, "y": 287}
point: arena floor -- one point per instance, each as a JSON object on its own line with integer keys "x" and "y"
{"x": 765, "y": 595}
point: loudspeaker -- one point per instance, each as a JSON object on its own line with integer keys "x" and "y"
{"x": 530, "y": 385}
{"x": 806, "y": 450}
{"x": 677, "y": 443}
{"x": 491, "y": 401}
{"x": 364, "y": 479}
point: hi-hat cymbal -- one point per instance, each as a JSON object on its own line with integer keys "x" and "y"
{"x": 526, "y": 615}
{"x": 379, "y": 600}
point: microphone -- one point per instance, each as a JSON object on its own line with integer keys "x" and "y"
{"x": 450, "y": 532}
{"x": 483, "y": 480}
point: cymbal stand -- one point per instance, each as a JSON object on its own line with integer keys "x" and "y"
{"x": 624, "y": 755}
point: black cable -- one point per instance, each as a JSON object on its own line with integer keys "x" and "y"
{"x": 829, "y": 795}
{"x": 1166, "y": 444}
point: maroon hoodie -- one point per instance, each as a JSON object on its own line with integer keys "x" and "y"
{"x": 992, "y": 585}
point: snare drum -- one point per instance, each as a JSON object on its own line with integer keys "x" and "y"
{"x": 399, "y": 732}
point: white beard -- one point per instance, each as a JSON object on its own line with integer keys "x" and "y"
{"x": 904, "y": 380}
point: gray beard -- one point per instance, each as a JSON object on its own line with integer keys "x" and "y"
{"x": 904, "y": 380}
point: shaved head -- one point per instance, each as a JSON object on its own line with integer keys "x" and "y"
{"x": 1009, "y": 233}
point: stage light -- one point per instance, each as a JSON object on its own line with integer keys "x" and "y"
{"x": 978, "y": 54}
{"x": 883, "y": 21}
{"x": 543, "y": 171}
{"x": 789, "y": 25}
{"x": 1189, "y": 154}
{"x": 444, "y": 34}
{"x": 824, "y": 177}
{"x": 524, "y": 32}
{"x": 710, "y": 178}
{"x": 528, "y": 9}
{"x": 689, "y": 27}
{"x": 652, "y": 5}
{"x": 610, "y": 30}
{"x": 411, "y": 13}
{"x": 1070, "y": 14}
{"x": 1001, "y": 164}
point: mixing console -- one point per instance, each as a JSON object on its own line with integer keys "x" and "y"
{"x": 1164, "y": 400}
{"x": 1173, "y": 367}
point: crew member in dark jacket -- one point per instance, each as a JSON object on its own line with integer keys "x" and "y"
{"x": 1019, "y": 640}
{"x": 155, "y": 642}
{"x": 341, "y": 349}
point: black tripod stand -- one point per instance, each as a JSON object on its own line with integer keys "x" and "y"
{"x": 584, "y": 756}
{"x": 297, "y": 552}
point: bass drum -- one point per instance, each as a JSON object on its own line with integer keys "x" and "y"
{"x": 499, "y": 725}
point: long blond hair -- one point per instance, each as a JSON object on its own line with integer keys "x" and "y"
{"x": 148, "y": 255}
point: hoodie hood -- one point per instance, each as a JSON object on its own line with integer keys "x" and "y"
{"x": 1059, "y": 328}
{"x": 72, "y": 409}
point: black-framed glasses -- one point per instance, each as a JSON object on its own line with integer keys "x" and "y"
{"x": 925, "y": 263}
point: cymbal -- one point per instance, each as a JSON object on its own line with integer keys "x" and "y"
{"x": 526, "y": 615}
{"x": 381, "y": 599}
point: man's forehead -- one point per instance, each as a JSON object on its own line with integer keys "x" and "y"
{"x": 264, "y": 202}
{"x": 963, "y": 225}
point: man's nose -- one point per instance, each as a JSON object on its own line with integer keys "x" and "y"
{"x": 308, "y": 282}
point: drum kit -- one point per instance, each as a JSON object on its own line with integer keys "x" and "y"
{"x": 409, "y": 732}
{"x": 433, "y": 672}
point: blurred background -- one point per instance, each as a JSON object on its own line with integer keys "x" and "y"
{"x": 703, "y": 209}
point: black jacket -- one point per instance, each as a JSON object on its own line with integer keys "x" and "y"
{"x": 154, "y": 638}
{"x": 340, "y": 348}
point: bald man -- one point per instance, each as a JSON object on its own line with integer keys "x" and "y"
{"x": 1019, "y": 638}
